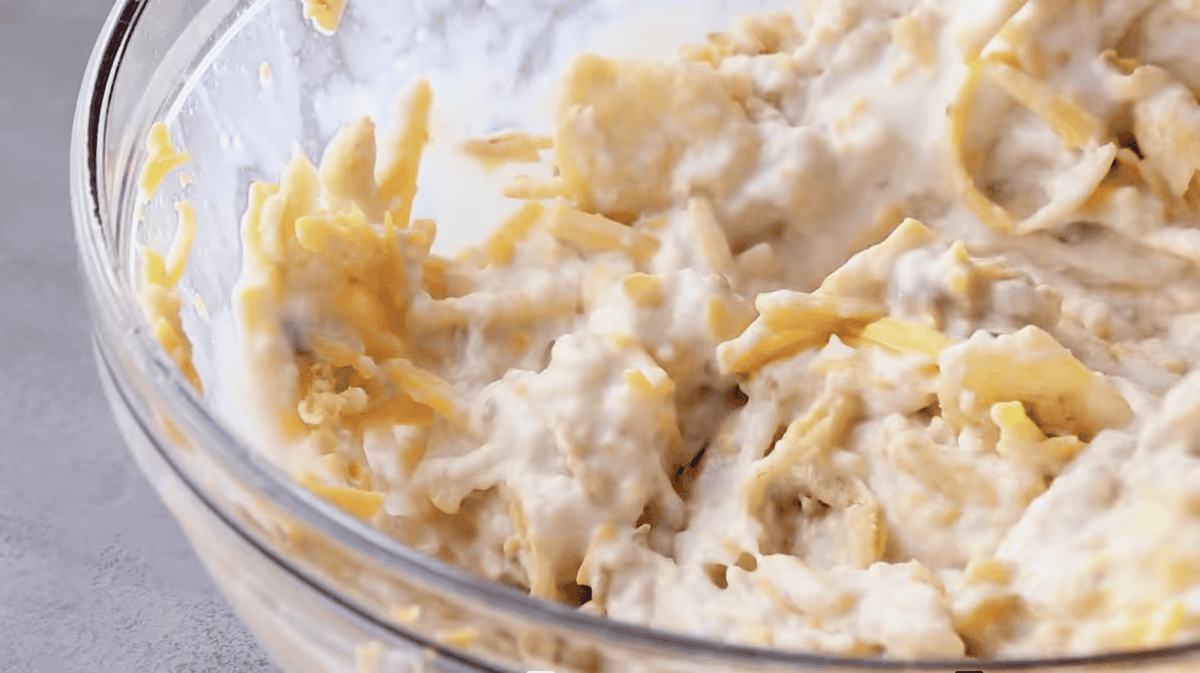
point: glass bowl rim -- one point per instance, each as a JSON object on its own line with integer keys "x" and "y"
{"x": 110, "y": 301}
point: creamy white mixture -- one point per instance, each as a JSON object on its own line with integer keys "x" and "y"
{"x": 864, "y": 330}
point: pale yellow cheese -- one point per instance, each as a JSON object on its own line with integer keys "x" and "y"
{"x": 360, "y": 503}
{"x": 326, "y": 15}
{"x": 1075, "y": 125}
{"x": 510, "y": 146}
{"x": 1030, "y": 366}
{"x": 902, "y": 336}
{"x": 397, "y": 179}
{"x": 162, "y": 159}
{"x": 160, "y": 298}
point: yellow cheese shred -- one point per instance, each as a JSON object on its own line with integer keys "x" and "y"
{"x": 1032, "y": 368}
{"x": 989, "y": 613}
{"x": 1075, "y": 125}
{"x": 903, "y": 336}
{"x": 1019, "y": 435}
{"x": 644, "y": 289}
{"x": 160, "y": 299}
{"x": 398, "y": 180}
{"x": 808, "y": 312}
{"x": 162, "y": 160}
{"x": 723, "y": 322}
{"x": 990, "y": 570}
{"x": 992, "y": 16}
{"x": 347, "y": 170}
{"x": 714, "y": 246}
{"x": 501, "y": 245}
{"x": 360, "y": 503}
{"x": 791, "y": 322}
{"x": 424, "y": 387}
{"x": 778, "y": 346}
{"x": 910, "y": 34}
{"x": 655, "y": 382}
{"x": 252, "y": 234}
{"x": 400, "y": 410}
{"x": 326, "y": 15}
{"x": 526, "y": 187}
{"x": 510, "y": 146}
{"x": 182, "y": 245}
{"x": 433, "y": 277}
{"x": 988, "y": 212}
{"x": 596, "y": 233}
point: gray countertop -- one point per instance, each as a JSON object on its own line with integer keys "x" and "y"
{"x": 95, "y": 576}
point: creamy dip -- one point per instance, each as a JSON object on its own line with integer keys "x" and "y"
{"x": 863, "y": 330}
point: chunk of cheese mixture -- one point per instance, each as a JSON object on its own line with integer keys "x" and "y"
{"x": 866, "y": 330}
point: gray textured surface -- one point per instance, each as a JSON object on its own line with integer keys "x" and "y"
{"x": 95, "y": 576}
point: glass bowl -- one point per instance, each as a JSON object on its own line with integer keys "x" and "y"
{"x": 240, "y": 83}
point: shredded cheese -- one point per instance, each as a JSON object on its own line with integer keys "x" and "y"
{"x": 398, "y": 179}
{"x": 510, "y": 146}
{"x": 360, "y": 503}
{"x": 326, "y": 15}
{"x": 162, "y": 159}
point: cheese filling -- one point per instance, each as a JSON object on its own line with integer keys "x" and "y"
{"x": 862, "y": 330}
